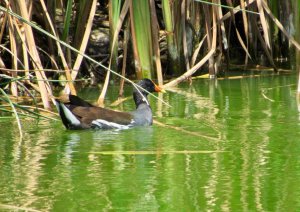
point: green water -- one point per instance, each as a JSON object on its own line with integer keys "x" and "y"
{"x": 227, "y": 145}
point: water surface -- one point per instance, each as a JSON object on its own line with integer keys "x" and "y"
{"x": 224, "y": 145}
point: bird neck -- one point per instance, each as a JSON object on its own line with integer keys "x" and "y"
{"x": 140, "y": 98}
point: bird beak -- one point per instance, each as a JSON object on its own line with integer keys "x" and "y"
{"x": 159, "y": 89}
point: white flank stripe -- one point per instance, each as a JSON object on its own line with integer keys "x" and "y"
{"x": 70, "y": 116}
{"x": 110, "y": 125}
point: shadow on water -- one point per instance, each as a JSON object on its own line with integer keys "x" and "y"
{"x": 224, "y": 145}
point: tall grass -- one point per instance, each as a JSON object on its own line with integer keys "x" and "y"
{"x": 164, "y": 39}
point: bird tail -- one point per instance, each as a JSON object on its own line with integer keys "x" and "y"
{"x": 68, "y": 118}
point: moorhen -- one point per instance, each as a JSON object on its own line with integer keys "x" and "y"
{"x": 79, "y": 114}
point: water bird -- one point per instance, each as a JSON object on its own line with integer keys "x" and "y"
{"x": 79, "y": 114}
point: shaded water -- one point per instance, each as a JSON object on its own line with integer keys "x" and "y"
{"x": 227, "y": 145}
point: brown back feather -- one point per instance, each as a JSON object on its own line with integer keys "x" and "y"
{"x": 88, "y": 114}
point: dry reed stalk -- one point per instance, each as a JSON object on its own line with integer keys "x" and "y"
{"x": 222, "y": 26}
{"x": 9, "y": 71}
{"x": 25, "y": 56}
{"x": 264, "y": 22}
{"x": 100, "y": 101}
{"x": 236, "y": 29}
{"x": 242, "y": 42}
{"x": 2, "y": 65}
{"x": 208, "y": 21}
{"x": 246, "y": 27}
{"x": 208, "y": 16}
{"x": 222, "y": 41}
{"x": 20, "y": 31}
{"x": 13, "y": 47}
{"x": 189, "y": 73}
{"x": 63, "y": 60}
{"x": 155, "y": 36}
{"x": 201, "y": 62}
{"x": 277, "y": 22}
{"x": 119, "y": 24}
{"x": 25, "y": 21}
{"x": 15, "y": 25}
{"x": 45, "y": 89}
{"x": 237, "y": 9}
{"x": 196, "y": 52}
{"x": 85, "y": 39}
{"x": 265, "y": 47}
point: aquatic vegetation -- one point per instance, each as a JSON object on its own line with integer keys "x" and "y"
{"x": 46, "y": 45}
